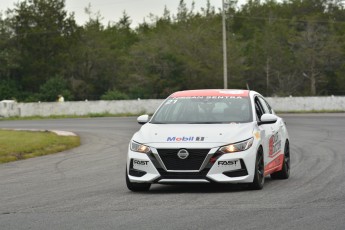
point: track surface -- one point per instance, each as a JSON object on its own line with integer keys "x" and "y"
{"x": 85, "y": 188}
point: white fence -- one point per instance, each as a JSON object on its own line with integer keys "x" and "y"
{"x": 282, "y": 104}
{"x": 292, "y": 104}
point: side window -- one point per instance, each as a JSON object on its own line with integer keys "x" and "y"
{"x": 264, "y": 105}
{"x": 258, "y": 108}
{"x": 269, "y": 107}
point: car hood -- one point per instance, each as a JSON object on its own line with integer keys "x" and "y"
{"x": 193, "y": 135}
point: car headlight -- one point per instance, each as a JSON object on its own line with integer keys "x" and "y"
{"x": 237, "y": 147}
{"x": 136, "y": 147}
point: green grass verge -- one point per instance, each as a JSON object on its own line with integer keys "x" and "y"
{"x": 19, "y": 145}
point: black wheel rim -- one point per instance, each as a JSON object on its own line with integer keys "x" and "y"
{"x": 287, "y": 157}
{"x": 260, "y": 167}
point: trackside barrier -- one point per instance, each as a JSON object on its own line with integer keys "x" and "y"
{"x": 307, "y": 104}
{"x": 9, "y": 108}
{"x": 44, "y": 109}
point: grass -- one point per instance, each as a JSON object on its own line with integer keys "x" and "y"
{"x": 19, "y": 145}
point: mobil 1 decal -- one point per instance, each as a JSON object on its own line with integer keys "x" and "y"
{"x": 186, "y": 139}
{"x": 274, "y": 145}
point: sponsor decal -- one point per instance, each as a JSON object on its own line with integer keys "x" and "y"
{"x": 173, "y": 101}
{"x": 196, "y": 93}
{"x": 185, "y": 139}
{"x": 274, "y": 145}
{"x": 235, "y": 162}
{"x": 139, "y": 162}
{"x": 274, "y": 165}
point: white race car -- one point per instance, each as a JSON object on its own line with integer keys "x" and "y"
{"x": 206, "y": 136}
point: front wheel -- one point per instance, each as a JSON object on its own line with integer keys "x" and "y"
{"x": 137, "y": 187}
{"x": 259, "y": 178}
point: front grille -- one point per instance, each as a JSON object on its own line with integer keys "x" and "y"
{"x": 183, "y": 175}
{"x": 192, "y": 162}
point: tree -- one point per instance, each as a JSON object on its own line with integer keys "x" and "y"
{"x": 316, "y": 49}
{"x": 43, "y": 35}
{"x": 292, "y": 47}
{"x": 100, "y": 58}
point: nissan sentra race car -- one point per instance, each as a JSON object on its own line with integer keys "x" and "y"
{"x": 206, "y": 136}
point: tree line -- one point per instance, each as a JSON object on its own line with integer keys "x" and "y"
{"x": 294, "y": 47}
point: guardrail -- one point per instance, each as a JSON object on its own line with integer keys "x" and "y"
{"x": 44, "y": 109}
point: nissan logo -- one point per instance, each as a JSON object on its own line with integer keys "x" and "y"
{"x": 183, "y": 154}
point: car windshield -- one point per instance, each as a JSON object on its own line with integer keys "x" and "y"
{"x": 204, "y": 110}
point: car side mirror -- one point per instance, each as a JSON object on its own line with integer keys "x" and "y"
{"x": 268, "y": 119}
{"x": 143, "y": 119}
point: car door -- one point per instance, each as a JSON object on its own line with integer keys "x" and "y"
{"x": 274, "y": 140}
{"x": 270, "y": 132}
{"x": 265, "y": 130}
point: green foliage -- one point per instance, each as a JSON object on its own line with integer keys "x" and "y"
{"x": 54, "y": 87}
{"x": 30, "y": 97}
{"x": 292, "y": 47}
{"x": 8, "y": 90}
{"x": 44, "y": 34}
{"x": 114, "y": 95}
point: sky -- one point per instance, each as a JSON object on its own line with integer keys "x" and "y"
{"x": 112, "y": 10}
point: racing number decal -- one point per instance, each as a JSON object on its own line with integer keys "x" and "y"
{"x": 274, "y": 145}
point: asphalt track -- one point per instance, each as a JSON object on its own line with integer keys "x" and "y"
{"x": 85, "y": 188}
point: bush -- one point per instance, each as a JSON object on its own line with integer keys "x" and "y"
{"x": 114, "y": 95}
{"x": 55, "y": 86}
{"x": 8, "y": 90}
{"x": 26, "y": 97}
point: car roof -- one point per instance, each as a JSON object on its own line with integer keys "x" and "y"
{"x": 212, "y": 92}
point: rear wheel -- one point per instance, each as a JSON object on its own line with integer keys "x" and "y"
{"x": 137, "y": 187}
{"x": 285, "y": 172}
{"x": 259, "y": 178}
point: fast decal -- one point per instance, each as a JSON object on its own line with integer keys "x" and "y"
{"x": 186, "y": 139}
{"x": 274, "y": 145}
{"x": 139, "y": 162}
{"x": 228, "y": 162}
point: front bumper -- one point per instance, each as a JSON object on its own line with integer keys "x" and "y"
{"x": 226, "y": 168}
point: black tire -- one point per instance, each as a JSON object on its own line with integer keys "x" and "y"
{"x": 285, "y": 172}
{"x": 136, "y": 187}
{"x": 259, "y": 178}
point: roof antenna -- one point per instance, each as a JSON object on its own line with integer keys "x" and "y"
{"x": 247, "y": 86}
